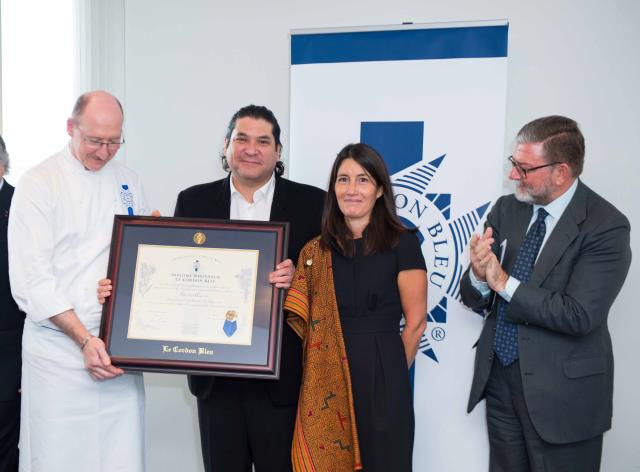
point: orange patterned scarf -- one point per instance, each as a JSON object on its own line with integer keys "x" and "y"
{"x": 325, "y": 437}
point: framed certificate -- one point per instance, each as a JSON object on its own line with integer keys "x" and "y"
{"x": 193, "y": 296}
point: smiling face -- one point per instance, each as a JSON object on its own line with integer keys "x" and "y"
{"x": 356, "y": 193}
{"x": 251, "y": 152}
{"x": 101, "y": 121}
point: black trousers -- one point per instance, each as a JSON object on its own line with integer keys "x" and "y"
{"x": 515, "y": 446}
{"x": 240, "y": 426}
{"x": 9, "y": 434}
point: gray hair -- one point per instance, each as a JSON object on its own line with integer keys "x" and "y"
{"x": 561, "y": 139}
{"x": 4, "y": 156}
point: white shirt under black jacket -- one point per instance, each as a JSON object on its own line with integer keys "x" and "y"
{"x": 260, "y": 209}
{"x": 59, "y": 237}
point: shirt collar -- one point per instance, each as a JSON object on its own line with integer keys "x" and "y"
{"x": 557, "y": 207}
{"x": 1, "y": 182}
{"x": 78, "y": 166}
{"x": 71, "y": 160}
{"x": 259, "y": 194}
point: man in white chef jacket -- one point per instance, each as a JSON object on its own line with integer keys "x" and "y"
{"x": 79, "y": 412}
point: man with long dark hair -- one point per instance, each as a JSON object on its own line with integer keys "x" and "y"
{"x": 245, "y": 422}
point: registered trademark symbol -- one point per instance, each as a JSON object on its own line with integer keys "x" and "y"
{"x": 442, "y": 237}
{"x": 437, "y": 333}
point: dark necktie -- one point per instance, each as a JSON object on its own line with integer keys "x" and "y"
{"x": 505, "y": 343}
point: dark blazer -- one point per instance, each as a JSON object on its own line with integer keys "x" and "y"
{"x": 301, "y": 205}
{"x": 564, "y": 344}
{"x": 11, "y": 318}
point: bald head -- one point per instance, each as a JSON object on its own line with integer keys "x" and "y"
{"x": 96, "y": 118}
{"x": 99, "y": 98}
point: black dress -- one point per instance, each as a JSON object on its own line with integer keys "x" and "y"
{"x": 370, "y": 312}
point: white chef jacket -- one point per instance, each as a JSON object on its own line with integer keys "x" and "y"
{"x": 59, "y": 236}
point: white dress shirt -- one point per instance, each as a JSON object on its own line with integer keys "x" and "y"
{"x": 260, "y": 209}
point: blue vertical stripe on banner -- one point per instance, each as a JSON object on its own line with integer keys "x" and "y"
{"x": 398, "y": 142}
{"x": 400, "y": 45}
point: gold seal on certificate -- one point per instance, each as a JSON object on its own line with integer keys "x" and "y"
{"x": 199, "y": 238}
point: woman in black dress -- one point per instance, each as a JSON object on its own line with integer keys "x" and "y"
{"x": 379, "y": 275}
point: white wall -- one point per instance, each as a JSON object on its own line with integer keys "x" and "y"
{"x": 36, "y": 101}
{"x": 189, "y": 65}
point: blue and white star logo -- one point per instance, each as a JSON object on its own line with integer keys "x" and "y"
{"x": 443, "y": 238}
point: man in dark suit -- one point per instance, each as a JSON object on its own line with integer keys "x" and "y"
{"x": 245, "y": 422}
{"x": 11, "y": 323}
{"x": 547, "y": 269}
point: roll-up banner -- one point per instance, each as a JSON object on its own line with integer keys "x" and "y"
{"x": 431, "y": 100}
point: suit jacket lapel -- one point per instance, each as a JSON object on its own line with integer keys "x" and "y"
{"x": 563, "y": 234}
{"x": 221, "y": 207}
{"x": 6, "y": 193}
{"x": 280, "y": 201}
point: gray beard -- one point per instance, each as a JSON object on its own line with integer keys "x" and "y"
{"x": 525, "y": 197}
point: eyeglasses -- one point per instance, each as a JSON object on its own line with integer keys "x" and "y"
{"x": 522, "y": 172}
{"x": 95, "y": 144}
